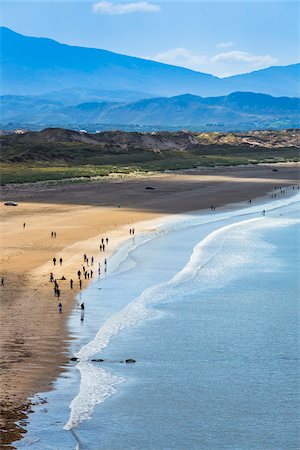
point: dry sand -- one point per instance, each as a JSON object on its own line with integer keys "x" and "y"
{"x": 34, "y": 336}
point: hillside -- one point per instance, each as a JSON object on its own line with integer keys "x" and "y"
{"x": 55, "y": 153}
{"x": 38, "y": 66}
{"x": 148, "y": 141}
{"x": 236, "y": 111}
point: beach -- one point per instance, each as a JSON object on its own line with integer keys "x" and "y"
{"x": 35, "y": 338}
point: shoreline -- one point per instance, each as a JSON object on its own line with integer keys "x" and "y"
{"x": 39, "y": 377}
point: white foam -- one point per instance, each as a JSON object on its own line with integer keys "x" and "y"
{"x": 96, "y": 384}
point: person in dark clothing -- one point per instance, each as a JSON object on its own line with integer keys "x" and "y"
{"x": 80, "y": 284}
{"x": 82, "y": 306}
{"x": 106, "y": 241}
{"x": 60, "y": 261}
{"x": 79, "y": 274}
{"x": 54, "y": 261}
{"x": 92, "y": 274}
{"x": 24, "y": 225}
{"x": 60, "y": 307}
{"x": 2, "y": 282}
{"x": 71, "y": 283}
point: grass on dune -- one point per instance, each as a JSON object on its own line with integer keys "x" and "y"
{"x": 31, "y": 171}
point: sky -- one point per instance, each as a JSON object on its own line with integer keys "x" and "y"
{"x": 221, "y": 38}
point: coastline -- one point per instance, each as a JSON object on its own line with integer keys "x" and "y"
{"x": 30, "y": 309}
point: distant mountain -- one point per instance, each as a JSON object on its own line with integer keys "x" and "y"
{"x": 38, "y": 66}
{"x": 236, "y": 111}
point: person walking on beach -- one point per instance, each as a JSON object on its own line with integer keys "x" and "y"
{"x": 106, "y": 241}
{"x": 100, "y": 248}
{"x": 2, "y": 282}
{"x": 79, "y": 274}
{"x": 92, "y": 274}
{"x": 51, "y": 277}
{"x": 82, "y": 306}
{"x": 92, "y": 260}
{"x": 102, "y": 241}
{"x": 60, "y": 261}
{"x": 54, "y": 234}
{"x": 80, "y": 284}
{"x": 60, "y": 307}
{"x": 24, "y": 225}
{"x": 54, "y": 261}
{"x": 132, "y": 230}
{"x": 129, "y": 230}
{"x": 71, "y": 283}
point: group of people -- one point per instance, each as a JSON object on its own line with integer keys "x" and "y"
{"x": 102, "y": 244}
{"x": 83, "y": 272}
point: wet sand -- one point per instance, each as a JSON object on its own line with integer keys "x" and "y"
{"x": 34, "y": 336}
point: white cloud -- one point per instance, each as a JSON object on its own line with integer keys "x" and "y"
{"x": 124, "y": 8}
{"x": 224, "y": 44}
{"x": 239, "y": 57}
{"x": 222, "y": 65}
{"x": 180, "y": 57}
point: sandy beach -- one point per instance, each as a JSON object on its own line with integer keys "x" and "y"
{"x": 34, "y": 336}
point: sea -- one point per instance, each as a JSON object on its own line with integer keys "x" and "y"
{"x": 207, "y": 305}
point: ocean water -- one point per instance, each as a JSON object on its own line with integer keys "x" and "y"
{"x": 208, "y": 306}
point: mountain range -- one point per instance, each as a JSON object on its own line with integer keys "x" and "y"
{"x": 39, "y": 65}
{"x": 236, "y": 111}
{"x": 75, "y": 85}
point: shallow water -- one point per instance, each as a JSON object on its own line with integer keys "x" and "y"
{"x": 209, "y": 307}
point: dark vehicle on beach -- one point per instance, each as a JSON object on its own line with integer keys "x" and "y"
{"x": 10, "y": 204}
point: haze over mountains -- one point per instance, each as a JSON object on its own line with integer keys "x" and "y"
{"x": 45, "y": 82}
{"x": 240, "y": 110}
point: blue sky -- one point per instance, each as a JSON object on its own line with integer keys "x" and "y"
{"x": 222, "y": 38}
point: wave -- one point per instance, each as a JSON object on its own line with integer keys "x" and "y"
{"x": 209, "y": 260}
